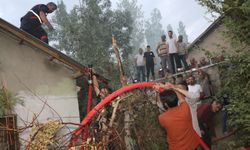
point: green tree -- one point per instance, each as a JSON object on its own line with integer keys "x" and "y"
{"x": 85, "y": 33}
{"x": 235, "y": 17}
{"x": 137, "y": 36}
{"x": 182, "y": 31}
{"x": 153, "y": 29}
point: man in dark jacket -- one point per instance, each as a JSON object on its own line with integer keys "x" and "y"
{"x": 33, "y": 20}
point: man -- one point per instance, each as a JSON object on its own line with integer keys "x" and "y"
{"x": 205, "y": 83}
{"x": 191, "y": 99}
{"x": 140, "y": 65}
{"x": 177, "y": 120}
{"x": 180, "y": 80}
{"x": 182, "y": 47}
{"x": 33, "y": 20}
{"x": 162, "y": 51}
{"x": 173, "y": 53}
{"x": 194, "y": 87}
{"x": 206, "y": 117}
{"x": 149, "y": 59}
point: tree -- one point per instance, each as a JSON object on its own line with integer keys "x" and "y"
{"x": 153, "y": 29}
{"x": 235, "y": 74}
{"x": 236, "y": 16}
{"x": 137, "y": 36}
{"x": 169, "y": 27}
{"x": 85, "y": 33}
{"x": 182, "y": 31}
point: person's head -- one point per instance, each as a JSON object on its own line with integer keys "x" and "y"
{"x": 148, "y": 48}
{"x": 163, "y": 38}
{"x": 169, "y": 99}
{"x": 180, "y": 79}
{"x": 191, "y": 80}
{"x": 216, "y": 106}
{"x": 104, "y": 92}
{"x": 52, "y": 7}
{"x": 180, "y": 38}
{"x": 193, "y": 61}
{"x": 170, "y": 33}
{"x": 203, "y": 61}
{"x": 140, "y": 50}
{"x": 201, "y": 74}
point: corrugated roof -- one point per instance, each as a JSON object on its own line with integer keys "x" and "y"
{"x": 55, "y": 54}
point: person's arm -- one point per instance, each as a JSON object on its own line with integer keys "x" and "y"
{"x": 176, "y": 45}
{"x": 185, "y": 48}
{"x": 96, "y": 85}
{"x": 189, "y": 95}
{"x": 157, "y": 49}
{"x": 202, "y": 94}
{"x": 135, "y": 60}
{"x": 154, "y": 58}
{"x": 160, "y": 86}
{"x": 45, "y": 20}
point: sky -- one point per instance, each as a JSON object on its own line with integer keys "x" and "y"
{"x": 189, "y": 12}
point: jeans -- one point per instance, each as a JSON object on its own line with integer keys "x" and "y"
{"x": 150, "y": 68}
{"x": 182, "y": 59}
{"x": 174, "y": 59}
{"x": 164, "y": 63}
{"x": 140, "y": 72}
{"x": 36, "y": 30}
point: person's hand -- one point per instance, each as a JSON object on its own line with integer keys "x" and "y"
{"x": 158, "y": 86}
{"x": 169, "y": 85}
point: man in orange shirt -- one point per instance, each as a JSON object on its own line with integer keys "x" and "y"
{"x": 177, "y": 120}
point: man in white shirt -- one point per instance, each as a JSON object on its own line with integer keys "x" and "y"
{"x": 194, "y": 87}
{"x": 140, "y": 65}
{"x": 173, "y": 53}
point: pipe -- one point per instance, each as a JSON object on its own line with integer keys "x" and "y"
{"x": 109, "y": 98}
{"x": 100, "y": 105}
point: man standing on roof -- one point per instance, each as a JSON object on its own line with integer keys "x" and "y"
{"x": 33, "y": 20}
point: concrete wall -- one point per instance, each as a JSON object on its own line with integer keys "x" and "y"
{"x": 29, "y": 73}
{"x": 214, "y": 42}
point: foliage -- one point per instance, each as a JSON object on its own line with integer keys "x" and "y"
{"x": 153, "y": 29}
{"x": 236, "y": 84}
{"x": 182, "y": 31}
{"x": 42, "y": 135}
{"x": 85, "y": 34}
{"x": 145, "y": 128}
{"x": 236, "y": 16}
{"x": 7, "y": 101}
{"x": 235, "y": 73}
{"x": 137, "y": 36}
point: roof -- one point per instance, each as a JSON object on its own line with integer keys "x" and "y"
{"x": 215, "y": 24}
{"x": 55, "y": 54}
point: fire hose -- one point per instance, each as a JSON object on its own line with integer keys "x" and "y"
{"x": 108, "y": 99}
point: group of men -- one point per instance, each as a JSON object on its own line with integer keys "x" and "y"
{"x": 183, "y": 117}
{"x": 172, "y": 53}
{"x": 186, "y": 119}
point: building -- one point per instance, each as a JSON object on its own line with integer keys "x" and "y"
{"x": 43, "y": 77}
{"x": 212, "y": 42}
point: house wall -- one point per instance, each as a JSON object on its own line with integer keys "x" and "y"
{"x": 214, "y": 42}
{"x": 46, "y": 87}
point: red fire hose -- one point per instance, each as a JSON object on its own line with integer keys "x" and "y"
{"x": 106, "y": 100}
